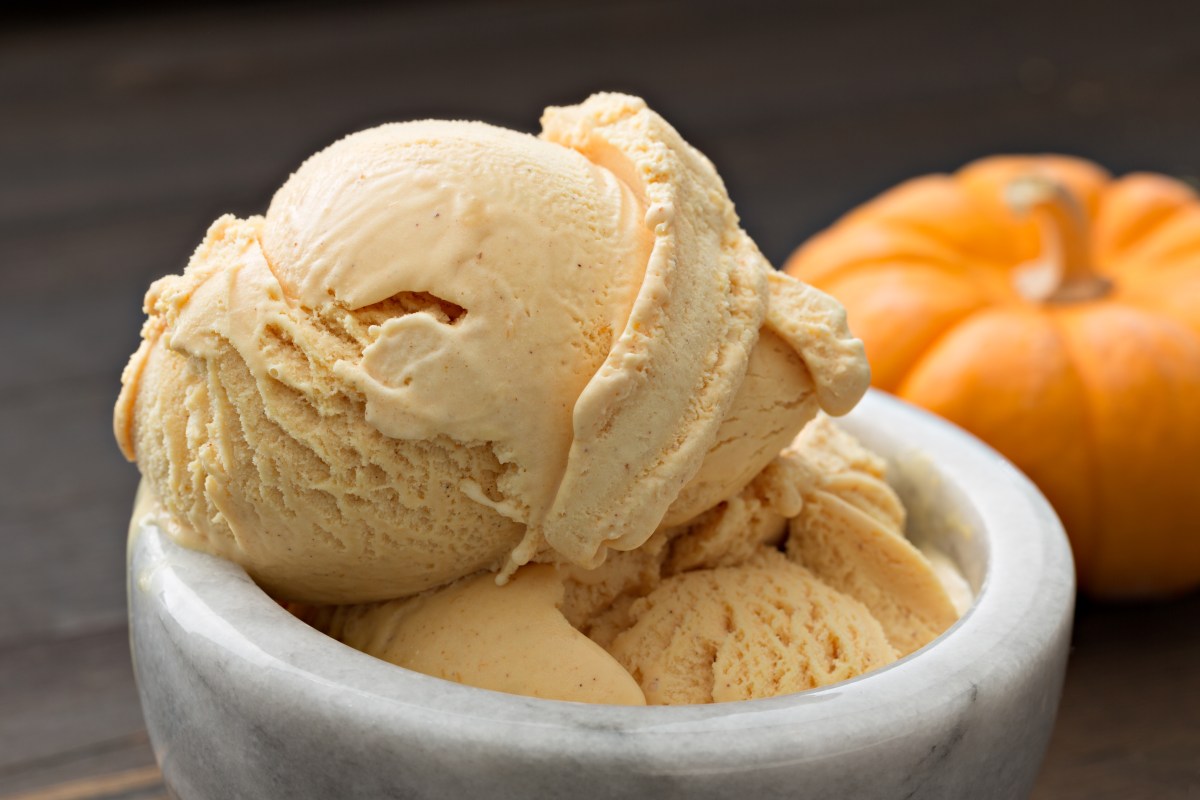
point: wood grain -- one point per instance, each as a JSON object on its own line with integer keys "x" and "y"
{"x": 1129, "y": 723}
{"x": 144, "y": 783}
{"x": 122, "y": 137}
{"x": 69, "y": 710}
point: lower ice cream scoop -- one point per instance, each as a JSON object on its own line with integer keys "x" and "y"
{"x": 802, "y": 579}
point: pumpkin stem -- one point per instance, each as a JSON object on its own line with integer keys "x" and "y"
{"x": 1063, "y": 273}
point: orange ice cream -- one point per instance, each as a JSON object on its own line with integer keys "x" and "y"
{"x": 452, "y": 356}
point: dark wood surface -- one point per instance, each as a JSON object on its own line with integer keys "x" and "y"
{"x": 123, "y": 136}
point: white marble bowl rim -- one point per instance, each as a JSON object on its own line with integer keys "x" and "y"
{"x": 1025, "y": 599}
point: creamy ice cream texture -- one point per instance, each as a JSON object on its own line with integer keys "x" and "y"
{"x": 802, "y": 579}
{"x": 449, "y": 350}
{"x": 450, "y": 347}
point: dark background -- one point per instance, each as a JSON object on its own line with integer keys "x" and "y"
{"x": 124, "y": 131}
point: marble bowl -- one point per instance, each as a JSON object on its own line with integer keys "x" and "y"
{"x": 244, "y": 701}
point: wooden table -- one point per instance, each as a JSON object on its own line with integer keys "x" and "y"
{"x": 122, "y": 137}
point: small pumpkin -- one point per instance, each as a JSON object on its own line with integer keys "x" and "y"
{"x": 1054, "y": 312}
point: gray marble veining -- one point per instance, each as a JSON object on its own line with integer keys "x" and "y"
{"x": 244, "y": 701}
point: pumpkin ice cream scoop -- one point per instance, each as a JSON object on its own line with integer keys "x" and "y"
{"x": 450, "y": 348}
{"x": 1054, "y": 311}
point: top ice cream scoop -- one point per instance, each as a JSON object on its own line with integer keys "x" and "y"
{"x": 450, "y": 347}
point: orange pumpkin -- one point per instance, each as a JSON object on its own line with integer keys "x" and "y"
{"x": 1054, "y": 312}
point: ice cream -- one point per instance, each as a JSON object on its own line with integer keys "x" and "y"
{"x": 450, "y": 348}
{"x": 765, "y": 627}
{"x": 510, "y": 638}
{"x": 802, "y": 579}
{"x": 850, "y": 533}
{"x": 452, "y": 356}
